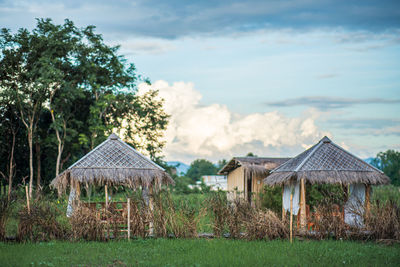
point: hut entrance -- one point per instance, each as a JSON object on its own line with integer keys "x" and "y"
{"x": 249, "y": 187}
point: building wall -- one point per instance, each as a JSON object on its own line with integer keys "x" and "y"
{"x": 236, "y": 180}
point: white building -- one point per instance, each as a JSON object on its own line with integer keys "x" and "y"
{"x": 216, "y": 182}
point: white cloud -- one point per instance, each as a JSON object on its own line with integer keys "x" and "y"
{"x": 215, "y": 132}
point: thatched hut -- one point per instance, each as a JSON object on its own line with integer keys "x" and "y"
{"x": 325, "y": 163}
{"x": 245, "y": 174}
{"x": 112, "y": 163}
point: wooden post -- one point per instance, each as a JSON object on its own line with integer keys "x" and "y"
{"x": 106, "y": 191}
{"x": 291, "y": 217}
{"x": 27, "y": 199}
{"x": 129, "y": 217}
{"x": 303, "y": 215}
{"x": 367, "y": 199}
{"x": 283, "y": 208}
{"x": 151, "y": 224}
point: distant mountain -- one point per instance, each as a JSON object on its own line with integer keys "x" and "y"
{"x": 181, "y": 168}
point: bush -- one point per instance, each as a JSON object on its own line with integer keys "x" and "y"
{"x": 40, "y": 223}
{"x": 5, "y": 209}
{"x": 86, "y": 225}
{"x": 383, "y": 221}
{"x": 264, "y": 224}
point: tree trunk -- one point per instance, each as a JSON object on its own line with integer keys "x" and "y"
{"x": 11, "y": 173}
{"x": 30, "y": 135}
{"x": 38, "y": 163}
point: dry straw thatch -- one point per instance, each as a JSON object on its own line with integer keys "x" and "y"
{"x": 256, "y": 166}
{"x": 113, "y": 162}
{"x": 326, "y": 163}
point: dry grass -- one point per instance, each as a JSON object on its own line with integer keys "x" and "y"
{"x": 40, "y": 223}
{"x": 383, "y": 221}
{"x": 265, "y": 225}
{"x": 86, "y": 225}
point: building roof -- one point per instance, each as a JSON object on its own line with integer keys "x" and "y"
{"x": 113, "y": 162}
{"x": 257, "y": 165}
{"x": 326, "y": 162}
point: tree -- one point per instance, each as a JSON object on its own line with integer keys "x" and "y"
{"x": 80, "y": 89}
{"x": 389, "y": 163}
{"x": 201, "y": 167}
{"x": 9, "y": 125}
{"x": 23, "y": 76}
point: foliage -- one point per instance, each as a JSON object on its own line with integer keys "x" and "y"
{"x": 40, "y": 222}
{"x": 271, "y": 198}
{"x": 70, "y": 90}
{"x": 201, "y": 167}
{"x": 86, "y": 225}
{"x": 389, "y": 163}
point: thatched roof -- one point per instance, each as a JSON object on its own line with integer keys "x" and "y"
{"x": 253, "y": 165}
{"x": 326, "y": 162}
{"x": 113, "y": 162}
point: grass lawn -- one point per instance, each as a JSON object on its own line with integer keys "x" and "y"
{"x": 199, "y": 252}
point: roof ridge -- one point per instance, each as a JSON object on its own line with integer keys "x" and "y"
{"x": 141, "y": 155}
{"x": 309, "y": 155}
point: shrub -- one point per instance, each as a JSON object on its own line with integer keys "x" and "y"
{"x": 5, "y": 209}
{"x": 383, "y": 221}
{"x": 86, "y": 224}
{"x": 40, "y": 223}
{"x": 264, "y": 224}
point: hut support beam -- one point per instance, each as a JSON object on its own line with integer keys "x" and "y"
{"x": 303, "y": 215}
{"x": 283, "y": 208}
{"x": 106, "y": 191}
{"x": 367, "y": 199}
{"x": 291, "y": 217}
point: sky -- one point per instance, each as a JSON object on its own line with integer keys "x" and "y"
{"x": 268, "y": 77}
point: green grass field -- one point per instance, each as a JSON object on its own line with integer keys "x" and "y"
{"x": 199, "y": 252}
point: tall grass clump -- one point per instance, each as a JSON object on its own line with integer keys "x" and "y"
{"x": 217, "y": 204}
{"x": 383, "y": 220}
{"x": 265, "y": 224}
{"x": 5, "y": 210}
{"x": 40, "y": 222}
{"x": 178, "y": 219}
{"x": 139, "y": 216}
{"x": 86, "y": 225}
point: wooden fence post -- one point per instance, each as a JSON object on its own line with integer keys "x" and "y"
{"x": 291, "y": 217}
{"x": 106, "y": 191}
{"x": 303, "y": 216}
{"x": 27, "y": 199}
{"x": 129, "y": 218}
{"x": 283, "y": 208}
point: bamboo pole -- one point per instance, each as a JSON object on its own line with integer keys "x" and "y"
{"x": 27, "y": 199}
{"x": 129, "y": 218}
{"x": 303, "y": 216}
{"x": 283, "y": 208}
{"x": 367, "y": 199}
{"x": 151, "y": 225}
{"x": 291, "y": 217}
{"x": 106, "y": 191}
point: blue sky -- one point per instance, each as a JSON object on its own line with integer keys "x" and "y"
{"x": 270, "y": 77}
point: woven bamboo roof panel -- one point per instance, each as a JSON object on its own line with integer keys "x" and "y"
{"x": 116, "y": 163}
{"x": 326, "y": 162}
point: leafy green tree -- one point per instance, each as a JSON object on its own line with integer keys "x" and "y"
{"x": 201, "y": 167}
{"x": 389, "y": 163}
{"x": 70, "y": 91}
